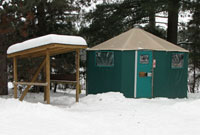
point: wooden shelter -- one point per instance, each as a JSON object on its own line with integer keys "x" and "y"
{"x": 46, "y": 46}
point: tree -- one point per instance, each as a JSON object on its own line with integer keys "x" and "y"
{"x": 194, "y": 38}
{"x": 5, "y": 30}
{"x": 172, "y": 29}
{"x": 3, "y": 69}
{"x": 105, "y": 23}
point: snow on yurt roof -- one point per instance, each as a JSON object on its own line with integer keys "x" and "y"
{"x": 137, "y": 39}
{"x": 45, "y": 40}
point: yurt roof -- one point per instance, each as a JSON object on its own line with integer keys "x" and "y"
{"x": 137, "y": 39}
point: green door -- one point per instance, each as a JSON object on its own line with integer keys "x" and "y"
{"x": 144, "y": 74}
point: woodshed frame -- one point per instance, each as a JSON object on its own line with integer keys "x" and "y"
{"x": 47, "y": 51}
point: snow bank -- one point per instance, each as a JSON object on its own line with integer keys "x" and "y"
{"x": 44, "y": 40}
{"x": 102, "y": 114}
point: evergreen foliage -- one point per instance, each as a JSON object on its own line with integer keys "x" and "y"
{"x": 111, "y": 19}
{"x": 194, "y": 38}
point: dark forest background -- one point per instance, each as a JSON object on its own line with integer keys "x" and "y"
{"x": 25, "y": 19}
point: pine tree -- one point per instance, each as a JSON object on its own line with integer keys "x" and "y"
{"x": 194, "y": 38}
{"x": 6, "y": 17}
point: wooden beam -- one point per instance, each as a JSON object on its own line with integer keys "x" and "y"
{"x": 33, "y": 80}
{"x": 40, "y": 53}
{"x": 63, "y": 81}
{"x": 44, "y": 73}
{"x": 30, "y": 83}
{"x": 60, "y": 51}
{"x": 77, "y": 74}
{"x": 48, "y": 77}
{"x": 15, "y": 76}
{"x": 52, "y": 52}
{"x": 71, "y": 46}
{"x": 43, "y": 49}
{"x": 33, "y": 55}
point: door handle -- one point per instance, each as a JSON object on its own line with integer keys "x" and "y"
{"x": 149, "y": 74}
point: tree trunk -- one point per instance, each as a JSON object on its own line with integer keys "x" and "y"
{"x": 194, "y": 78}
{"x": 194, "y": 60}
{"x": 173, "y": 10}
{"x": 3, "y": 68}
{"x": 55, "y": 87}
{"x": 41, "y": 19}
{"x": 152, "y": 19}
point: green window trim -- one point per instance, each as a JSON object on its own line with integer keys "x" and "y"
{"x": 177, "y": 60}
{"x": 104, "y": 58}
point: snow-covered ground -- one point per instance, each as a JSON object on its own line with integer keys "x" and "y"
{"x": 102, "y": 114}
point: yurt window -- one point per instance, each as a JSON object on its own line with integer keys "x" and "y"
{"x": 177, "y": 60}
{"x": 144, "y": 59}
{"x": 105, "y": 58}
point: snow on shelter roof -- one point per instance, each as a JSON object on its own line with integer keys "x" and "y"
{"x": 46, "y": 40}
{"x": 137, "y": 39}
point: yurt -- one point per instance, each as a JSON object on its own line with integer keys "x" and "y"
{"x": 139, "y": 65}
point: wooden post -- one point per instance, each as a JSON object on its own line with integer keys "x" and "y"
{"x": 33, "y": 80}
{"x": 77, "y": 74}
{"x": 44, "y": 72}
{"x": 48, "y": 77}
{"x": 15, "y": 76}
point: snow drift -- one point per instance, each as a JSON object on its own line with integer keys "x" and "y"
{"x": 109, "y": 113}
